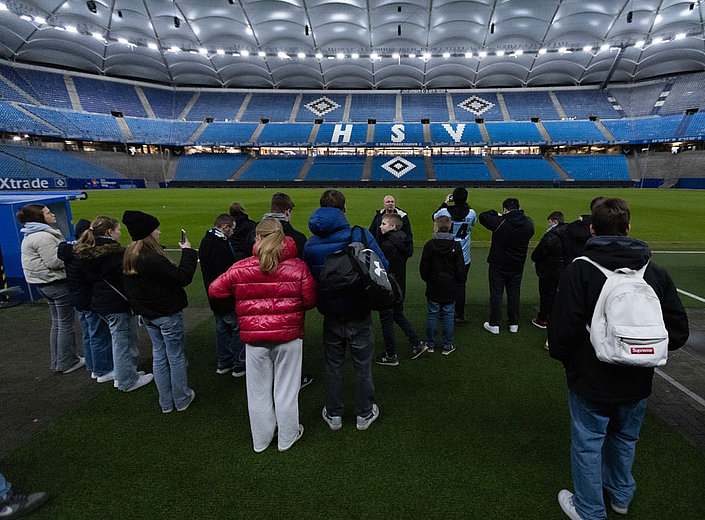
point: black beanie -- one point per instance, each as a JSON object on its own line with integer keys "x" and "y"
{"x": 139, "y": 224}
{"x": 81, "y": 226}
{"x": 460, "y": 195}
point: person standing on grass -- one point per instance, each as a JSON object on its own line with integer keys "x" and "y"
{"x": 154, "y": 287}
{"x": 511, "y": 232}
{"x": 216, "y": 255}
{"x": 43, "y": 269}
{"x": 577, "y": 233}
{"x": 607, "y": 402}
{"x": 101, "y": 257}
{"x": 346, "y": 321}
{"x": 463, "y": 218}
{"x": 15, "y": 505}
{"x": 394, "y": 245}
{"x": 390, "y": 207}
{"x": 442, "y": 267}
{"x": 272, "y": 291}
{"x": 243, "y": 235}
{"x": 549, "y": 261}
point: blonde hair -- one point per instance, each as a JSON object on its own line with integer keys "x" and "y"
{"x": 147, "y": 245}
{"x": 268, "y": 248}
{"x": 99, "y": 228}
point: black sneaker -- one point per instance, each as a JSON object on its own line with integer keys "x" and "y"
{"x": 306, "y": 380}
{"x": 418, "y": 349}
{"x": 16, "y": 504}
{"x": 385, "y": 359}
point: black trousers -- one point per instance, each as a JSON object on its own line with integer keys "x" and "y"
{"x": 548, "y": 285}
{"x": 460, "y": 291}
{"x": 499, "y": 281}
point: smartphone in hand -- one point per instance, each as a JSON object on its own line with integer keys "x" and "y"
{"x": 183, "y": 236}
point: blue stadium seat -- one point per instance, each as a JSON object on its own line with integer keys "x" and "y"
{"x": 522, "y": 106}
{"x": 421, "y": 106}
{"x": 408, "y": 168}
{"x": 644, "y": 129}
{"x": 468, "y": 107}
{"x": 62, "y": 163}
{"x": 342, "y": 134}
{"x": 581, "y": 104}
{"x": 574, "y": 132}
{"x": 11, "y": 166}
{"x": 382, "y": 107}
{"x": 285, "y": 134}
{"x": 637, "y": 100}
{"x": 15, "y": 121}
{"x": 399, "y": 133}
{"x": 275, "y": 107}
{"x": 524, "y": 168}
{"x": 456, "y": 134}
{"x": 329, "y": 107}
{"x": 104, "y": 97}
{"x": 220, "y": 106}
{"x": 46, "y": 87}
{"x": 7, "y": 93}
{"x": 160, "y": 131}
{"x": 594, "y": 167}
{"x": 686, "y": 92}
{"x": 76, "y": 125}
{"x": 208, "y": 167}
{"x": 336, "y": 168}
{"x": 167, "y": 104}
{"x": 514, "y": 133}
{"x": 461, "y": 168}
{"x": 696, "y": 130}
{"x": 229, "y": 134}
{"x": 275, "y": 168}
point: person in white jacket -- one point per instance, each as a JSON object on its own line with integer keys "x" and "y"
{"x": 43, "y": 269}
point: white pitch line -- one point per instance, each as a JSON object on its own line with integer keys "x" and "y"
{"x": 679, "y": 252}
{"x": 695, "y": 297}
{"x": 695, "y": 397}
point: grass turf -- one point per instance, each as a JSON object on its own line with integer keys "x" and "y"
{"x": 482, "y": 433}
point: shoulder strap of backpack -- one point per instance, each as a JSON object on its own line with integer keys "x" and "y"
{"x": 603, "y": 270}
{"x": 622, "y": 270}
{"x": 363, "y": 237}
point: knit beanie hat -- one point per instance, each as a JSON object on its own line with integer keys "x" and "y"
{"x": 81, "y": 226}
{"x": 460, "y": 195}
{"x": 139, "y": 224}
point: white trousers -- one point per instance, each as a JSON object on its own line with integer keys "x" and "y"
{"x": 273, "y": 383}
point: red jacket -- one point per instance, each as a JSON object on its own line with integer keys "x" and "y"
{"x": 269, "y": 306}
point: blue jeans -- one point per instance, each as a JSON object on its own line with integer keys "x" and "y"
{"x": 602, "y": 444}
{"x": 446, "y": 311}
{"x": 62, "y": 338}
{"x": 85, "y": 338}
{"x": 99, "y": 348}
{"x": 229, "y": 349}
{"x": 4, "y": 487}
{"x": 167, "y": 335}
{"x": 126, "y": 352}
{"x": 388, "y": 317}
{"x": 357, "y": 334}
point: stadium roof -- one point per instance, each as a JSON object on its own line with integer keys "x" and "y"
{"x": 410, "y": 44}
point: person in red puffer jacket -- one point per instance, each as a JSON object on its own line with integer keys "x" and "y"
{"x": 272, "y": 291}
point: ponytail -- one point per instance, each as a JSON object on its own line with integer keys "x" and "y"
{"x": 268, "y": 249}
{"x": 98, "y": 228}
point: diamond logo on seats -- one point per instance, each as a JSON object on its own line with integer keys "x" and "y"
{"x": 476, "y": 105}
{"x": 322, "y": 105}
{"x": 398, "y": 166}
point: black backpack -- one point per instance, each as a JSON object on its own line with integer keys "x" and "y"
{"x": 357, "y": 272}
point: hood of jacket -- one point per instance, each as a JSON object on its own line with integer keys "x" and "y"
{"x": 614, "y": 252}
{"x": 326, "y": 221}
{"x": 398, "y": 239}
{"x": 277, "y": 216}
{"x": 516, "y": 218}
{"x": 104, "y": 247}
{"x": 35, "y": 227}
{"x": 397, "y": 210}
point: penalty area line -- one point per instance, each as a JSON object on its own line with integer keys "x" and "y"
{"x": 695, "y": 397}
{"x": 691, "y": 295}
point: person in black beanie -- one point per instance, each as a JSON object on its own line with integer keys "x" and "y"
{"x": 154, "y": 288}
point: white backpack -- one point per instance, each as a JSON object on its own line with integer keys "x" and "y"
{"x": 627, "y": 326}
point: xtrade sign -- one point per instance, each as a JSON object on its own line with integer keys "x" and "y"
{"x": 6, "y": 183}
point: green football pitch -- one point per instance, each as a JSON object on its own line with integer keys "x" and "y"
{"x": 480, "y": 434}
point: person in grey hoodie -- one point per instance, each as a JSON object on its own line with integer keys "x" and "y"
{"x": 511, "y": 232}
{"x": 43, "y": 269}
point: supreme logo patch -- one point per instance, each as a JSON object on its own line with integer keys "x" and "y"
{"x": 642, "y": 350}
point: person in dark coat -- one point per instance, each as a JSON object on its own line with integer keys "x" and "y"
{"x": 511, "y": 232}
{"x": 243, "y": 237}
{"x": 281, "y": 208}
{"x": 394, "y": 245}
{"x": 548, "y": 258}
{"x": 155, "y": 289}
{"x": 216, "y": 256}
{"x": 442, "y": 267}
{"x": 577, "y": 233}
{"x": 390, "y": 206}
{"x": 607, "y": 402}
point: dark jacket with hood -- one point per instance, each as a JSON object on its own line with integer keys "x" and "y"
{"x": 158, "y": 288}
{"x": 578, "y": 291}
{"x": 102, "y": 267}
{"x": 395, "y": 246}
{"x": 80, "y": 292}
{"x": 298, "y": 237}
{"x": 576, "y": 235}
{"x": 217, "y": 256}
{"x": 511, "y": 233}
{"x": 331, "y": 232}
{"x": 405, "y": 227}
{"x": 243, "y": 237}
{"x": 442, "y": 267}
{"x": 548, "y": 256}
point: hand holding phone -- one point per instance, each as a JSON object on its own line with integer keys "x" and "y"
{"x": 183, "y": 235}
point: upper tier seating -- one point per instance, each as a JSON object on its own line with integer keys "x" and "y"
{"x": 456, "y": 134}
{"x": 104, "y": 97}
{"x": 160, "y": 131}
{"x": 7, "y": 93}
{"x": 468, "y": 107}
{"x": 581, "y": 104}
{"x": 208, "y": 167}
{"x": 415, "y": 107}
{"x": 408, "y": 168}
{"x": 336, "y": 168}
{"x": 382, "y": 107}
{"x": 274, "y": 168}
{"x": 275, "y": 107}
{"x": 594, "y": 167}
{"x": 522, "y": 106}
{"x": 76, "y": 125}
{"x": 220, "y": 106}
{"x": 524, "y": 168}
{"x": 696, "y": 129}
{"x": 57, "y": 161}
{"x": 461, "y": 168}
{"x": 398, "y": 133}
{"x": 285, "y": 134}
{"x": 574, "y": 132}
{"x": 47, "y": 88}
{"x": 11, "y": 166}
{"x": 227, "y": 134}
{"x": 13, "y": 120}
{"x": 514, "y": 133}
{"x": 329, "y": 107}
{"x": 342, "y": 134}
{"x": 167, "y": 104}
{"x": 638, "y": 100}
{"x": 648, "y": 128}
{"x": 687, "y": 92}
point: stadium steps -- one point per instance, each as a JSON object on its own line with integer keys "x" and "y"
{"x": 257, "y": 132}
{"x": 426, "y": 133}
{"x": 662, "y": 98}
{"x": 367, "y": 168}
{"x": 243, "y": 107}
{"x": 398, "y": 117}
{"x": 557, "y": 167}
{"x": 430, "y": 168}
{"x": 145, "y": 102}
{"x": 370, "y": 138}
{"x": 18, "y": 89}
{"x": 295, "y": 109}
{"x": 189, "y": 105}
{"x": 483, "y": 131}
{"x": 492, "y": 167}
{"x": 544, "y": 133}
{"x": 346, "y": 110}
{"x": 605, "y": 131}
{"x": 305, "y": 168}
{"x": 243, "y": 167}
{"x": 37, "y": 118}
{"x": 197, "y": 133}
{"x": 314, "y": 133}
{"x": 73, "y": 94}
{"x": 451, "y": 108}
{"x": 503, "y": 107}
{"x": 683, "y": 126}
{"x": 557, "y": 105}
{"x": 126, "y": 132}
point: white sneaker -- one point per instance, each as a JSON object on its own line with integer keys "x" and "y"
{"x": 494, "y": 329}
{"x": 110, "y": 376}
{"x": 80, "y": 363}
{"x": 142, "y": 380}
{"x": 619, "y": 510}
{"x": 298, "y": 436}
{"x": 565, "y": 499}
{"x": 364, "y": 422}
{"x": 514, "y": 328}
{"x": 93, "y": 375}
{"x": 183, "y": 408}
{"x": 334, "y": 421}
{"x": 221, "y": 371}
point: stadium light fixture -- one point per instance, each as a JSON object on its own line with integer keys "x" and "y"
{"x": 500, "y": 53}
{"x": 59, "y": 28}
{"x": 330, "y": 57}
{"x": 396, "y": 56}
{"x": 248, "y": 30}
{"x": 639, "y": 44}
{"x": 3, "y": 6}
{"x": 123, "y": 41}
{"x": 446, "y": 55}
{"x": 587, "y": 48}
{"x": 301, "y": 55}
{"x": 482, "y": 54}
{"x": 40, "y": 20}
{"x": 657, "y": 40}
{"x": 426, "y": 56}
{"x": 542, "y": 52}
{"x": 519, "y": 52}
{"x": 97, "y": 36}
{"x": 261, "y": 54}
{"x": 468, "y": 54}
{"x": 92, "y": 7}
{"x": 152, "y": 46}
{"x": 202, "y": 51}
{"x": 355, "y": 56}
{"x": 374, "y": 56}
{"x": 245, "y": 53}
{"x": 340, "y": 56}
{"x": 219, "y": 52}
{"x": 319, "y": 56}
{"x": 658, "y": 18}
{"x": 604, "y": 47}
{"x": 174, "y": 49}
{"x": 680, "y": 36}
{"x": 283, "y": 55}
{"x": 71, "y": 29}
{"x": 26, "y": 18}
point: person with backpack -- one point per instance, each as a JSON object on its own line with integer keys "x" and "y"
{"x": 607, "y": 401}
{"x": 347, "y": 319}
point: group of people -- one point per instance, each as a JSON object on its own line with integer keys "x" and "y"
{"x": 261, "y": 278}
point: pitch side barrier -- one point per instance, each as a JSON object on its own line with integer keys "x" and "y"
{"x": 38, "y": 183}
{"x": 398, "y": 184}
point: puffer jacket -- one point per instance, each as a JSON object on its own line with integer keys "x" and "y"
{"x": 102, "y": 267}
{"x": 39, "y": 254}
{"x": 270, "y": 306}
{"x": 511, "y": 233}
{"x": 548, "y": 256}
